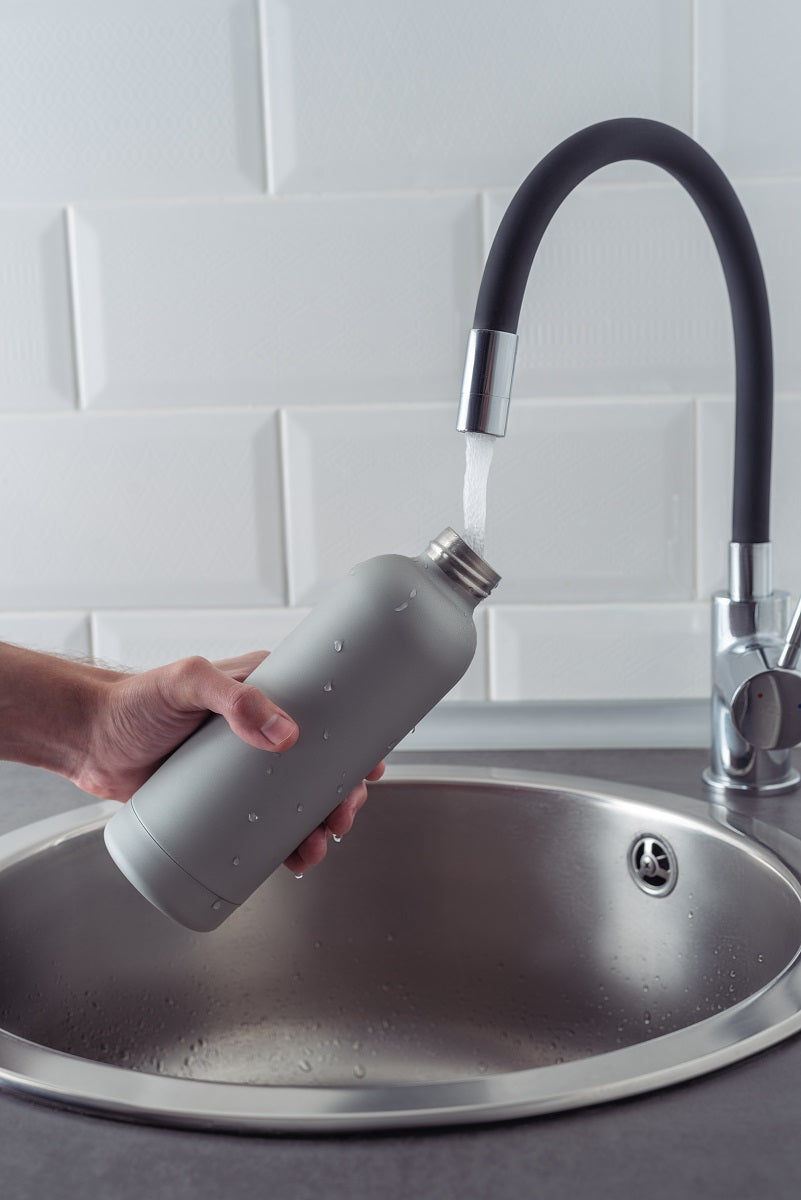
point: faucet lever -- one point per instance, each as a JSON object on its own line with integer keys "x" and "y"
{"x": 792, "y": 642}
{"x": 766, "y": 709}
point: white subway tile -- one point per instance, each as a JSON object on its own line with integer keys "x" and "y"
{"x": 366, "y": 481}
{"x": 592, "y": 500}
{"x": 715, "y": 468}
{"x": 365, "y": 95}
{"x": 748, "y": 84}
{"x": 136, "y": 98}
{"x": 36, "y": 361}
{"x": 152, "y": 510}
{"x": 141, "y": 640}
{"x": 588, "y": 500}
{"x": 276, "y": 301}
{"x": 53, "y": 633}
{"x": 626, "y": 295}
{"x": 600, "y": 652}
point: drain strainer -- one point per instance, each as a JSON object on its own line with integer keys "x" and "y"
{"x": 653, "y": 865}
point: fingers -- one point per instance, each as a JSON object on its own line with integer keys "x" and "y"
{"x": 196, "y": 684}
{"x": 242, "y": 665}
{"x": 312, "y": 851}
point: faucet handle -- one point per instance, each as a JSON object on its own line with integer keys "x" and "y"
{"x": 766, "y": 709}
{"x": 792, "y": 642}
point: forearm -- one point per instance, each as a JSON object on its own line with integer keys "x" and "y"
{"x": 46, "y": 707}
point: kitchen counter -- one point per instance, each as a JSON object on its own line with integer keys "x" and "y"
{"x": 731, "y": 1134}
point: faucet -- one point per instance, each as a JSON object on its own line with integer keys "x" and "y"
{"x": 756, "y": 694}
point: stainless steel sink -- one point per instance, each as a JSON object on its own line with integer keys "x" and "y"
{"x": 486, "y": 944}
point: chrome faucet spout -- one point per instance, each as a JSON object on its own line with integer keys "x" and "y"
{"x": 749, "y": 621}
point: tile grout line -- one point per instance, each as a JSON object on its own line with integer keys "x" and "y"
{"x": 281, "y": 418}
{"x": 264, "y": 96}
{"x": 79, "y": 367}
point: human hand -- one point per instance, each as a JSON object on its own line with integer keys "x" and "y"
{"x": 139, "y": 719}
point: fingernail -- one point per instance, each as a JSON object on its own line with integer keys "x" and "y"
{"x": 277, "y": 730}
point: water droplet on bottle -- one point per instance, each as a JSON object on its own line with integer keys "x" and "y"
{"x": 337, "y": 838}
{"x": 299, "y": 875}
{"x": 217, "y": 905}
{"x": 340, "y": 790}
{"x": 359, "y": 1071}
{"x": 268, "y": 770}
{"x": 300, "y": 808}
{"x": 338, "y": 644}
{"x": 253, "y": 816}
{"x": 326, "y": 735}
{"x": 412, "y": 593}
{"x": 401, "y": 607}
{"x": 305, "y": 1065}
{"x": 329, "y": 686}
{"x": 235, "y": 861}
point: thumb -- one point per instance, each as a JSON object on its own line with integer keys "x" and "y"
{"x": 251, "y": 715}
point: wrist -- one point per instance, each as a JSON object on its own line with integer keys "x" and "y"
{"x": 47, "y": 705}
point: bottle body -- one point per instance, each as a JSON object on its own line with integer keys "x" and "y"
{"x": 383, "y": 647}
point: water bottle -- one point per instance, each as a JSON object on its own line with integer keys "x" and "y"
{"x": 357, "y": 674}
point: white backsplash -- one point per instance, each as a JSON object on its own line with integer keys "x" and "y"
{"x": 240, "y": 246}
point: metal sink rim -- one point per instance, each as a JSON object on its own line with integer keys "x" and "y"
{"x": 761, "y": 1020}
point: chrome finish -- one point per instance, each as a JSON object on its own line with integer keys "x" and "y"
{"x": 653, "y": 865}
{"x": 750, "y": 570}
{"x": 766, "y": 709}
{"x": 487, "y": 383}
{"x": 476, "y": 950}
{"x": 747, "y": 639}
{"x": 792, "y": 642}
{"x": 461, "y": 563}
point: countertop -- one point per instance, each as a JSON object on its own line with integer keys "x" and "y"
{"x": 731, "y": 1134}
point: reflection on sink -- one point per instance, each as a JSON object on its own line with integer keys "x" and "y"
{"x": 479, "y": 948}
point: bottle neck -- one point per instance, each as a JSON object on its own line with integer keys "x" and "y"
{"x": 462, "y": 565}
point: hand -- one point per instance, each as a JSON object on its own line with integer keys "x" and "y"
{"x": 108, "y": 731}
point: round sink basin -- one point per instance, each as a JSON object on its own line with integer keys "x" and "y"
{"x": 487, "y": 944}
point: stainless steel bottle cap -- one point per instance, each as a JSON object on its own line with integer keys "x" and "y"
{"x": 461, "y": 564}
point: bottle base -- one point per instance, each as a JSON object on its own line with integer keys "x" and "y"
{"x": 159, "y": 878}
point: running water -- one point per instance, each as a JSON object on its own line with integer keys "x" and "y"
{"x": 478, "y": 458}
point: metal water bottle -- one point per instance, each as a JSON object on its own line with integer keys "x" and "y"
{"x": 378, "y": 652}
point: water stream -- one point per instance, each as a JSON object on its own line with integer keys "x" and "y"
{"x": 478, "y": 459}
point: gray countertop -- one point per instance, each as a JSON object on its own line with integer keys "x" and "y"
{"x": 732, "y": 1134}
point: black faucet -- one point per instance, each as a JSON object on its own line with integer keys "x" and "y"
{"x": 756, "y": 701}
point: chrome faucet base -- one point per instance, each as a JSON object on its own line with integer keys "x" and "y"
{"x": 748, "y": 636}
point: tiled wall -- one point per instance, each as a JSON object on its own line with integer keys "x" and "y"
{"x": 240, "y": 244}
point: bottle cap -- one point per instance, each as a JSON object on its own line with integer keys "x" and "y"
{"x": 461, "y": 564}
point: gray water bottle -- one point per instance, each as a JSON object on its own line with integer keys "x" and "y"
{"x": 378, "y": 652}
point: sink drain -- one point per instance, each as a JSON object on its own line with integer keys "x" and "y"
{"x": 653, "y": 865}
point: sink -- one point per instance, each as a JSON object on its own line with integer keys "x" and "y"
{"x": 487, "y": 944}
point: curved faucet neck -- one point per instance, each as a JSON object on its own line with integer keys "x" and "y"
{"x": 507, "y": 269}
